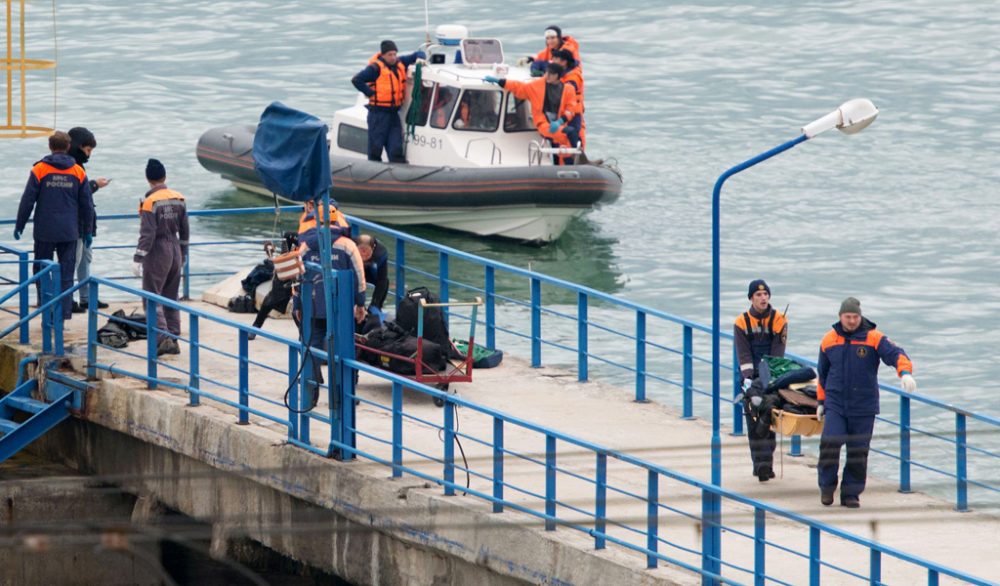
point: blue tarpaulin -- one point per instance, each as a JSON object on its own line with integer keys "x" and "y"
{"x": 291, "y": 154}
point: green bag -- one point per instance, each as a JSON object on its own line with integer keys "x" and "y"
{"x": 779, "y": 366}
{"x": 482, "y": 357}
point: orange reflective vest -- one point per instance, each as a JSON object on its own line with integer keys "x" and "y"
{"x": 534, "y": 92}
{"x": 308, "y": 220}
{"x": 390, "y": 87}
{"x": 575, "y": 76}
{"x": 568, "y": 44}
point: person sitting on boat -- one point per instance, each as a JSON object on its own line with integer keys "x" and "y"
{"x": 554, "y": 39}
{"x": 383, "y": 81}
{"x": 308, "y": 219}
{"x": 574, "y": 77}
{"x": 376, "y": 258}
{"x": 554, "y": 107}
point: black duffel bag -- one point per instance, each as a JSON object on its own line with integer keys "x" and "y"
{"x": 394, "y": 340}
{"x": 435, "y": 327}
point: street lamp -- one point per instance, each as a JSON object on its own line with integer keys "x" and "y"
{"x": 850, "y": 118}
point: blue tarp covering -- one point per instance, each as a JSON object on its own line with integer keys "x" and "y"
{"x": 291, "y": 154}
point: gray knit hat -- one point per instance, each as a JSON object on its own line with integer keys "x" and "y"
{"x": 850, "y": 305}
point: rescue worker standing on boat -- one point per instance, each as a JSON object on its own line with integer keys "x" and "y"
{"x": 573, "y": 75}
{"x": 759, "y": 331}
{"x": 849, "y": 357}
{"x": 383, "y": 82}
{"x": 160, "y": 254}
{"x": 554, "y": 106}
{"x": 59, "y": 193}
{"x": 554, "y": 40}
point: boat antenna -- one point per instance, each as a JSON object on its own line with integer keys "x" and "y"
{"x": 427, "y": 22}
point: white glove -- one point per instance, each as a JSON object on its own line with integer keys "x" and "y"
{"x": 908, "y": 383}
{"x": 819, "y": 412}
{"x": 137, "y": 269}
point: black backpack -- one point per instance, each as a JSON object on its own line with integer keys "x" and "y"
{"x": 435, "y": 328}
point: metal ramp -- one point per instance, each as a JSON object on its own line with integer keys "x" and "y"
{"x": 27, "y": 414}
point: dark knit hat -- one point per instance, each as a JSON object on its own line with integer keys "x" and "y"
{"x": 81, "y": 137}
{"x": 387, "y": 46}
{"x": 850, "y": 305}
{"x": 563, "y": 54}
{"x": 155, "y": 170}
{"x": 555, "y": 68}
{"x": 554, "y": 28}
{"x": 757, "y": 285}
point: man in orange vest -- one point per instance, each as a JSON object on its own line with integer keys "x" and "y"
{"x": 383, "y": 82}
{"x": 573, "y": 76}
{"x": 160, "y": 254}
{"x": 554, "y": 106}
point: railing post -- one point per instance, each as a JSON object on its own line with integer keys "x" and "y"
{"x": 91, "y": 329}
{"x": 814, "y": 565}
{"x": 449, "y": 448}
{"x": 397, "y": 430}
{"x": 400, "y": 269}
{"x": 443, "y": 282}
{"x": 652, "y": 517}
{"x": 711, "y": 536}
{"x": 57, "y": 311}
{"x": 23, "y": 296}
{"x": 759, "y": 547}
{"x": 904, "y": 444}
{"x": 550, "y": 482}
{"x": 737, "y": 389}
{"x": 875, "y": 569}
{"x": 194, "y": 382}
{"x": 497, "y": 465}
{"x": 491, "y": 311}
{"x": 796, "y": 450}
{"x": 581, "y": 336}
{"x": 536, "y": 323}
{"x": 341, "y": 379}
{"x": 186, "y": 277}
{"x": 640, "y": 356}
{"x": 601, "y": 501}
{"x": 932, "y": 577}
{"x": 293, "y": 394}
{"x": 961, "y": 470}
{"x": 688, "y": 389}
{"x": 307, "y": 374}
{"x": 45, "y": 295}
{"x": 244, "y": 351}
{"x": 151, "y": 342}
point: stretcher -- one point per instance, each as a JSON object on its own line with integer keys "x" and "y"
{"x": 456, "y": 371}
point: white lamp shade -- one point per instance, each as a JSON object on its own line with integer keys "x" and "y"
{"x": 851, "y": 117}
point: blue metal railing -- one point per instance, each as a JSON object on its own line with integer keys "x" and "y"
{"x": 553, "y": 511}
{"x": 674, "y": 366}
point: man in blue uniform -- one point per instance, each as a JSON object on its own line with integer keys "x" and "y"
{"x": 849, "y": 357}
{"x": 376, "y": 259}
{"x": 383, "y": 82}
{"x": 59, "y": 194}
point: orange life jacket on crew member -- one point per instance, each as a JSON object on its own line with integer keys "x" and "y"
{"x": 308, "y": 220}
{"x": 534, "y": 92}
{"x": 568, "y": 43}
{"x": 390, "y": 86}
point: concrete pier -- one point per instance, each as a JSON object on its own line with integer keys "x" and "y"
{"x": 350, "y": 518}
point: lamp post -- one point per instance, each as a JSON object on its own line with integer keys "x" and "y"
{"x": 851, "y": 117}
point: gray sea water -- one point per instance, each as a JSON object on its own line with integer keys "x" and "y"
{"x": 903, "y": 216}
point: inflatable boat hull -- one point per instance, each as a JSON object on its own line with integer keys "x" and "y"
{"x": 533, "y": 203}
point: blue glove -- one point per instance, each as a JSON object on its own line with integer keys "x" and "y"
{"x": 88, "y": 240}
{"x": 491, "y": 79}
{"x": 17, "y": 234}
{"x": 555, "y": 124}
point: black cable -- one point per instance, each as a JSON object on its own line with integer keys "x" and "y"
{"x": 461, "y": 450}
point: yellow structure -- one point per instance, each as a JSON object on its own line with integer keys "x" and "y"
{"x": 18, "y": 63}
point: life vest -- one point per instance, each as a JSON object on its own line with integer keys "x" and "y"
{"x": 390, "y": 86}
{"x": 534, "y": 92}
{"x": 308, "y": 220}
{"x": 568, "y": 43}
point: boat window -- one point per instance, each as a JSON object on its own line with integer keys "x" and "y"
{"x": 425, "y": 105}
{"x": 444, "y": 104}
{"x": 478, "y": 110}
{"x": 518, "y": 115}
{"x": 352, "y": 138}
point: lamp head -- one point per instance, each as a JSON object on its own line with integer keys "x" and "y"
{"x": 851, "y": 117}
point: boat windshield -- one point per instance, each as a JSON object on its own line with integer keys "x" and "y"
{"x": 518, "y": 115}
{"x": 444, "y": 104}
{"x": 425, "y": 105}
{"x": 478, "y": 110}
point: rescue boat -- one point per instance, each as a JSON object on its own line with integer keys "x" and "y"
{"x": 475, "y": 162}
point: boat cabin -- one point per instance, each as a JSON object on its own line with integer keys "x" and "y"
{"x": 455, "y": 119}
